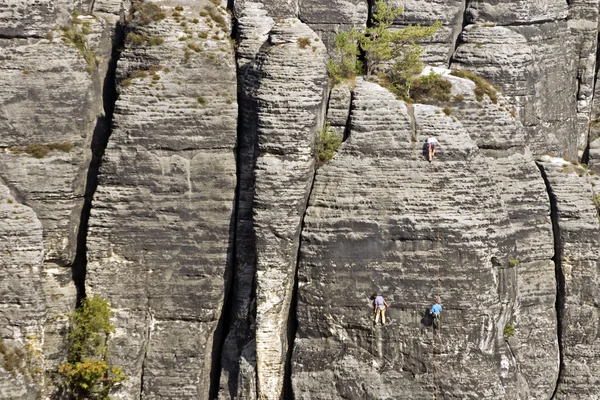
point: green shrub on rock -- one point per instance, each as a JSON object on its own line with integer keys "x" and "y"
{"x": 392, "y": 54}
{"x": 87, "y": 374}
{"x": 430, "y": 87}
{"x": 328, "y": 143}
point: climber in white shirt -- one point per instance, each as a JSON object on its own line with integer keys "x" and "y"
{"x": 431, "y": 143}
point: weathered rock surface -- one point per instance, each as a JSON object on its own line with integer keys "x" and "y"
{"x": 364, "y": 233}
{"x": 160, "y": 237}
{"x": 22, "y": 310}
{"x": 574, "y": 200}
{"x": 439, "y": 48}
{"x": 290, "y": 110}
{"x": 534, "y": 66}
{"x": 52, "y": 97}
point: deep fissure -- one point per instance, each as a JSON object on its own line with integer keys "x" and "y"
{"x": 100, "y": 138}
{"x": 227, "y": 312}
{"x": 459, "y": 26}
{"x": 560, "y": 278}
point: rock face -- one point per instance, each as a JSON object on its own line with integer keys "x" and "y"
{"x": 365, "y": 233}
{"x": 160, "y": 236}
{"x": 51, "y": 108}
{"x": 574, "y": 200}
{"x": 237, "y": 269}
{"x": 21, "y": 289}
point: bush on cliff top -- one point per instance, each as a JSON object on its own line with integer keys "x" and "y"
{"x": 86, "y": 374}
{"x": 393, "y": 54}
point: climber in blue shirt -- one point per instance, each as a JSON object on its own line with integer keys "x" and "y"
{"x": 436, "y": 308}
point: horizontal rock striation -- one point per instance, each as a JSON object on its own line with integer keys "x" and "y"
{"x": 574, "y": 198}
{"x": 534, "y": 67}
{"x": 382, "y": 219}
{"x": 160, "y": 236}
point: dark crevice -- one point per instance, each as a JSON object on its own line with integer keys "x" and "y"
{"x": 585, "y": 158}
{"x": 143, "y": 368}
{"x": 226, "y": 316}
{"x": 349, "y": 119}
{"x": 462, "y": 21}
{"x": 292, "y": 323}
{"x": 227, "y": 313}
{"x": 100, "y": 138}
{"x": 560, "y": 278}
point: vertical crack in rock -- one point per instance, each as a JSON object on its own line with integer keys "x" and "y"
{"x": 560, "y": 278}
{"x": 227, "y": 314}
{"x": 100, "y": 137}
{"x": 585, "y": 158}
{"x": 459, "y": 25}
{"x": 292, "y": 326}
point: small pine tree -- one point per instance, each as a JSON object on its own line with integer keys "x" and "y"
{"x": 348, "y": 64}
{"x": 393, "y": 53}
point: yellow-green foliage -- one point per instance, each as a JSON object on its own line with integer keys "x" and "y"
{"x": 482, "y": 87}
{"x": 430, "y": 87}
{"x": 146, "y": 13}
{"x": 39, "y": 150}
{"x": 154, "y": 40}
{"x": 347, "y": 65}
{"x": 86, "y": 374}
{"x": 509, "y": 330}
{"x": 513, "y": 263}
{"x": 328, "y": 143}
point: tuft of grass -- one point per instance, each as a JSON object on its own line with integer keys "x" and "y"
{"x": 513, "y": 263}
{"x": 482, "y": 87}
{"x": 303, "y": 42}
{"x": 155, "y": 41}
{"x": 73, "y": 35}
{"x": 195, "y": 21}
{"x": 179, "y": 8}
{"x": 327, "y": 144}
{"x": 203, "y": 34}
{"x": 194, "y": 46}
{"x": 447, "y": 110}
{"x": 458, "y": 98}
{"x": 39, "y": 150}
{"x": 216, "y": 16}
{"x": 145, "y": 13}
{"x": 430, "y": 87}
{"x": 135, "y": 38}
{"x": 202, "y": 100}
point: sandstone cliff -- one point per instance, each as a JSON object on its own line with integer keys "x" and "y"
{"x": 166, "y": 162}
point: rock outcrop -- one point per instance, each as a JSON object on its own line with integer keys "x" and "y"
{"x": 160, "y": 237}
{"x": 21, "y": 299}
{"x": 162, "y": 155}
{"x": 382, "y": 219}
{"x": 574, "y": 199}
